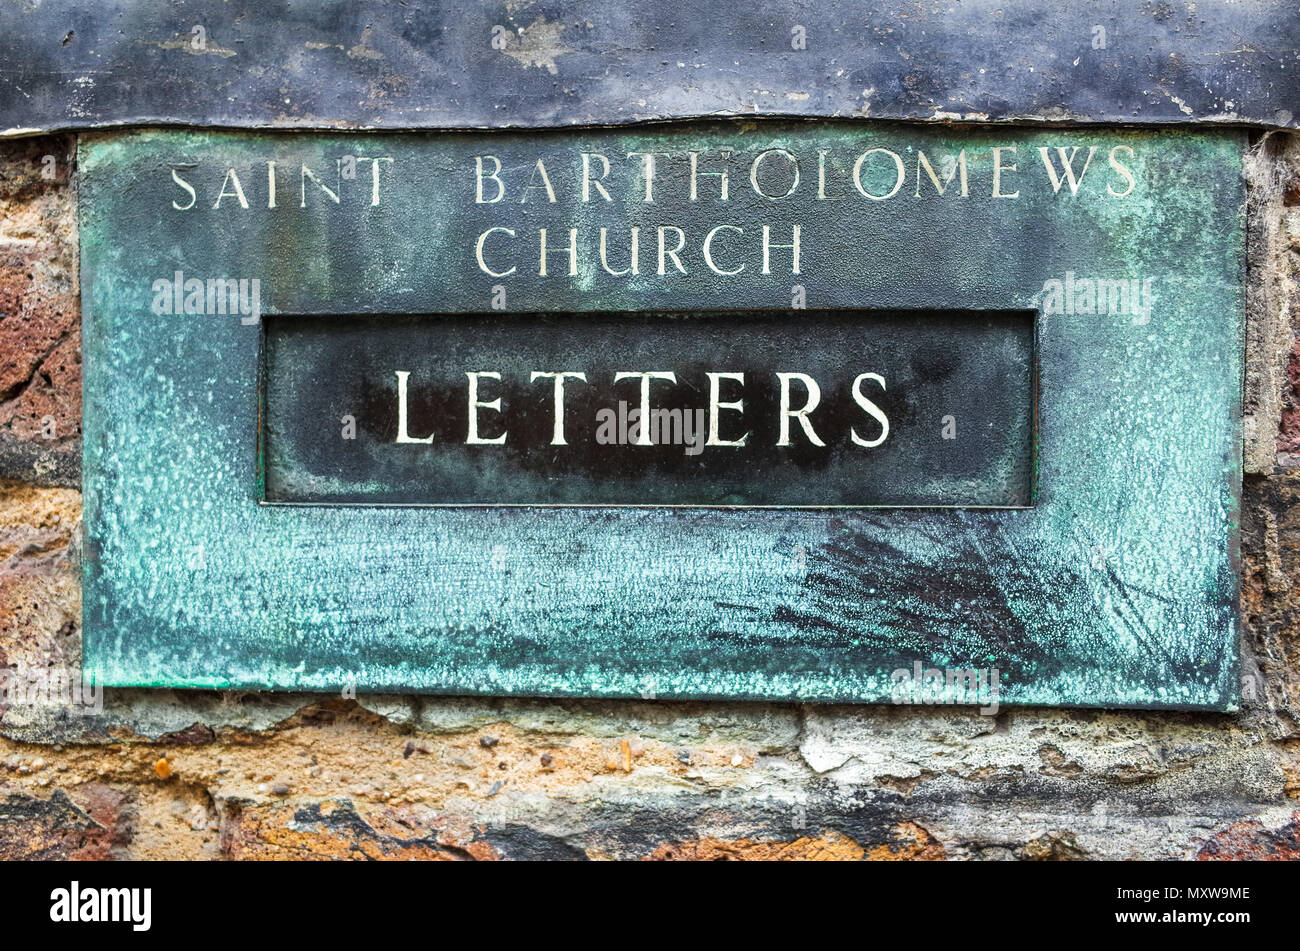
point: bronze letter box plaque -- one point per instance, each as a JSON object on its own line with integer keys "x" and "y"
{"x": 775, "y": 410}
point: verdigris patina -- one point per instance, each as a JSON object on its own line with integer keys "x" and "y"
{"x": 1111, "y": 584}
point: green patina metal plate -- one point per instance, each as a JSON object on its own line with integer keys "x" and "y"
{"x": 1058, "y": 315}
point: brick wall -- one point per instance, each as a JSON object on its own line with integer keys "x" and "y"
{"x": 211, "y": 775}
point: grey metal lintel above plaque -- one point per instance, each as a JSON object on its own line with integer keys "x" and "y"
{"x": 339, "y": 64}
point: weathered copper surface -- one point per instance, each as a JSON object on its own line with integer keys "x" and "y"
{"x": 339, "y": 64}
{"x": 1116, "y": 588}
